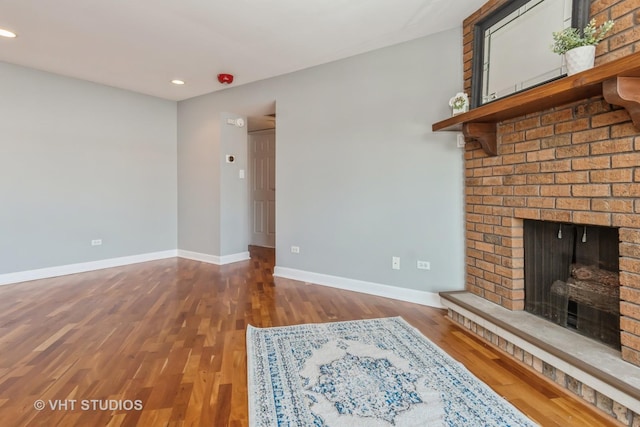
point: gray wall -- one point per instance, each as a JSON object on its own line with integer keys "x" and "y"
{"x": 360, "y": 176}
{"x": 199, "y": 177}
{"x": 81, "y": 161}
{"x": 234, "y": 191}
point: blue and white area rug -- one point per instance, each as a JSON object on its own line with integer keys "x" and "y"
{"x": 379, "y": 372}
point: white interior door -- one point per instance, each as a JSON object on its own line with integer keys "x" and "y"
{"x": 262, "y": 158}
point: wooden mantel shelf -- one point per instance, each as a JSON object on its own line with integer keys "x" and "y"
{"x": 618, "y": 81}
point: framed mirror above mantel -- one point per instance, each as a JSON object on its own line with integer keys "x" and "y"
{"x": 616, "y": 80}
{"x": 511, "y": 46}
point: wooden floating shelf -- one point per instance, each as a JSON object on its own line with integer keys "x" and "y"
{"x": 618, "y": 81}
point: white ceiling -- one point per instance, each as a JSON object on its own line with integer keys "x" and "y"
{"x": 141, "y": 45}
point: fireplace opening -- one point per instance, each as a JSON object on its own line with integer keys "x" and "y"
{"x": 572, "y": 277}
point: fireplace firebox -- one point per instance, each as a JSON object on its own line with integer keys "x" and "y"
{"x": 572, "y": 277}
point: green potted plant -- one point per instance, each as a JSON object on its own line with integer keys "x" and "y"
{"x": 579, "y": 46}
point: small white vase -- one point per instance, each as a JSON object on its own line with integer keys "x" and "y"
{"x": 460, "y": 110}
{"x": 579, "y": 59}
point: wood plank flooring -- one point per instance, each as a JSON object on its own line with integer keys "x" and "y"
{"x": 171, "y": 335}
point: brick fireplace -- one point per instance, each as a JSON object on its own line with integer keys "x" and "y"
{"x": 577, "y": 163}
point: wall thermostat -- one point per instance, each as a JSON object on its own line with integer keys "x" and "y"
{"x": 230, "y": 158}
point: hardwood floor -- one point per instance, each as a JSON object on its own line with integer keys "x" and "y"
{"x": 171, "y": 334}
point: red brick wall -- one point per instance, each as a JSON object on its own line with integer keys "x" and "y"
{"x": 576, "y": 163}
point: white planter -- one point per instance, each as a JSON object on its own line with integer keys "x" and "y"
{"x": 579, "y": 59}
{"x": 459, "y": 103}
{"x": 460, "y": 110}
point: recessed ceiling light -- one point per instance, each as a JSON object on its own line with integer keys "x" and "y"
{"x": 177, "y": 82}
{"x": 7, "y": 33}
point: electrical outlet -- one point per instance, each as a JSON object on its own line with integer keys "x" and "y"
{"x": 96, "y": 242}
{"x": 295, "y": 249}
{"x": 424, "y": 265}
{"x": 395, "y": 263}
{"x": 460, "y": 142}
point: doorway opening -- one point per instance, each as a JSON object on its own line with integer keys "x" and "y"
{"x": 262, "y": 180}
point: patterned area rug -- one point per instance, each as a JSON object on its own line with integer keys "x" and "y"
{"x": 379, "y": 372}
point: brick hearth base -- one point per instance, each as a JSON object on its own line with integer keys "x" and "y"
{"x": 568, "y": 359}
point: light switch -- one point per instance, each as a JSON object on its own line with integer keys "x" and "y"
{"x": 241, "y": 173}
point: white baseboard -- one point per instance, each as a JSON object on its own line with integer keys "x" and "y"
{"x": 214, "y": 259}
{"x": 410, "y": 295}
{"x": 63, "y": 270}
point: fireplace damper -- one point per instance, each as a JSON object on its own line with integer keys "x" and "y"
{"x": 572, "y": 277}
